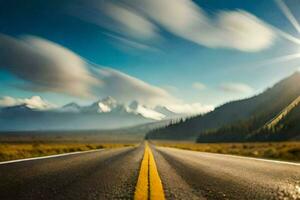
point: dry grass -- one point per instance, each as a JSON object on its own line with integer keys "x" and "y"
{"x": 12, "y": 151}
{"x": 289, "y": 151}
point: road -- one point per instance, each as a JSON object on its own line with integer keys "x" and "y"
{"x": 113, "y": 174}
{"x": 196, "y": 175}
{"x": 106, "y": 174}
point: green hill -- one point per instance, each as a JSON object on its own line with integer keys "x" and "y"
{"x": 286, "y": 126}
{"x": 235, "y": 121}
{"x": 273, "y": 123}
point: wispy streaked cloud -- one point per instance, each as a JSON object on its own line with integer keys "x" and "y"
{"x": 130, "y": 21}
{"x": 228, "y": 29}
{"x": 170, "y": 88}
{"x": 144, "y": 19}
{"x": 49, "y": 67}
{"x": 199, "y": 86}
{"x": 45, "y": 66}
{"x": 126, "y": 88}
{"x": 128, "y": 44}
{"x": 236, "y": 88}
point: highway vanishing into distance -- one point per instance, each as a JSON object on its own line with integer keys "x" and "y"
{"x": 114, "y": 174}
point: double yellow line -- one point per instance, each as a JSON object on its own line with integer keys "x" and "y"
{"x": 149, "y": 185}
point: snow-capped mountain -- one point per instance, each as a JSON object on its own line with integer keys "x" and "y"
{"x": 102, "y": 106}
{"x": 70, "y": 107}
{"x": 109, "y": 104}
{"x": 166, "y": 112}
{"x": 35, "y": 103}
{"x": 136, "y": 108}
{"x": 106, "y": 113}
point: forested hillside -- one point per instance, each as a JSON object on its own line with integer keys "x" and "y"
{"x": 235, "y": 121}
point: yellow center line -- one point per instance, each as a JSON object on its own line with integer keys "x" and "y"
{"x": 149, "y": 185}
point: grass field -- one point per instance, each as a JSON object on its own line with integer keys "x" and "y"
{"x": 12, "y": 151}
{"x": 289, "y": 151}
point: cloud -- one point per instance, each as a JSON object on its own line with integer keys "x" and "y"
{"x": 236, "y": 29}
{"x": 34, "y": 102}
{"x": 126, "y": 88}
{"x": 128, "y": 44}
{"x": 7, "y": 101}
{"x": 194, "y": 108}
{"x": 129, "y": 21}
{"x": 48, "y": 67}
{"x": 228, "y": 29}
{"x": 236, "y": 88}
{"x": 45, "y": 66}
{"x": 199, "y": 86}
{"x": 170, "y": 88}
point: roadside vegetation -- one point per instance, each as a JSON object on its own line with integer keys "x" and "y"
{"x": 12, "y": 151}
{"x": 289, "y": 151}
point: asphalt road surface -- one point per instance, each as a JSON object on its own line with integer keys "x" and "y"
{"x": 195, "y": 175}
{"x": 112, "y": 174}
{"x": 106, "y": 174}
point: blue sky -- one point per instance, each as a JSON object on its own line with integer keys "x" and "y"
{"x": 187, "y": 66}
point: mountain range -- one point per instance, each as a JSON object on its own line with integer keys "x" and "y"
{"x": 272, "y": 115}
{"x": 104, "y": 114}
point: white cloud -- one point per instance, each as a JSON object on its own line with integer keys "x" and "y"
{"x": 242, "y": 30}
{"x": 49, "y": 67}
{"x": 126, "y": 88}
{"x": 170, "y": 88}
{"x": 129, "y": 21}
{"x": 228, "y": 29}
{"x": 34, "y": 102}
{"x": 7, "y": 101}
{"x": 194, "y": 108}
{"x": 46, "y": 66}
{"x": 236, "y": 88}
{"x": 199, "y": 86}
{"x": 236, "y": 29}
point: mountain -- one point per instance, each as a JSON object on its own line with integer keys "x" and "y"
{"x": 167, "y": 112}
{"x": 35, "y": 103}
{"x": 285, "y": 113}
{"x": 70, "y": 107}
{"x": 237, "y": 120}
{"x": 105, "y": 105}
{"x": 136, "y": 108}
{"x": 285, "y": 126}
{"x": 103, "y": 114}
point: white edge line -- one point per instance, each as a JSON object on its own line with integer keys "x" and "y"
{"x": 51, "y": 156}
{"x": 243, "y": 157}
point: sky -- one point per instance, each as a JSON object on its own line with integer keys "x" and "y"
{"x": 189, "y": 55}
